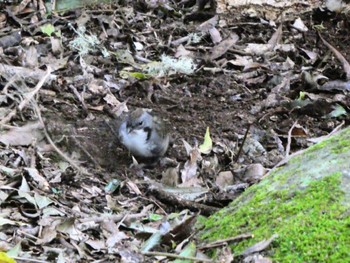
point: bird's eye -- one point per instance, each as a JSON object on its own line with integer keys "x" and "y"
{"x": 140, "y": 123}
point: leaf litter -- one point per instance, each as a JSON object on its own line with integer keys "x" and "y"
{"x": 67, "y": 81}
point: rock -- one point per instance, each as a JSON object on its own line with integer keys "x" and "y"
{"x": 306, "y": 202}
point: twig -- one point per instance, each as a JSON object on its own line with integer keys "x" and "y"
{"x": 38, "y": 86}
{"x": 27, "y": 98}
{"x": 287, "y": 158}
{"x": 289, "y": 141}
{"x": 20, "y": 22}
{"x": 169, "y": 255}
{"x": 31, "y": 260}
{"x": 28, "y": 235}
{"x": 339, "y": 56}
{"x": 178, "y": 202}
{"x": 8, "y": 117}
{"x": 8, "y": 84}
{"x": 335, "y": 130}
{"x": 25, "y": 73}
{"x": 62, "y": 154}
{"x": 244, "y": 139}
{"x": 118, "y": 217}
{"x": 219, "y": 243}
{"x": 79, "y": 96}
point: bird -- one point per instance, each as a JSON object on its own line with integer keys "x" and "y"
{"x": 144, "y": 134}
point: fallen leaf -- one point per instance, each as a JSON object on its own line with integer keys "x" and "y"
{"x": 47, "y": 235}
{"x": 276, "y": 37}
{"x": 299, "y": 25}
{"x": 31, "y": 58}
{"x": 155, "y": 239}
{"x": 207, "y": 25}
{"x": 223, "y": 46}
{"x": 24, "y": 135}
{"x": 171, "y": 176}
{"x": 4, "y": 258}
{"x": 188, "y": 251}
{"x": 224, "y": 179}
{"x": 42, "y": 201}
{"x": 337, "y": 111}
{"x": 97, "y": 245}
{"x": 254, "y": 172}
{"x": 189, "y": 171}
{"x": 188, "y": 147}
{"x": 215, "y": 35}
{"x": 116, "y": 238}
{"x": 207, "y": 145}
{"x": 262, "y": 245}
{"x": 47, "y": 29}
{"x": 181, "y": 51}
{"x": 37, "y": 177}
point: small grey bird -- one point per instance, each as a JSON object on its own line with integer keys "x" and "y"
{"x": 144, "y": 135}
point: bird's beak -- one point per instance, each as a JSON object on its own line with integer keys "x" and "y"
{"x": 129, "y": 129}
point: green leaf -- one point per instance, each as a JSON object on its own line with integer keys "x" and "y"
{"x": 124, "y": 56}
{"x": 301, "y": 95}
{"x": 15, "y": 251}
{"x": 188, "y": 251}
{"x": 48, "y": 29}
{"x": 42, "y": 201}
{"x": 112, "y": 186}
{"x": 150, "y": 243}
{"x": 207, "y": 145}
{"x": 155, "y": 217}
{"x": 56, "y": 190}
{"x": 4, "y": 258}
{"x": 337, "y": 111}
{"x": 138, "y": 75}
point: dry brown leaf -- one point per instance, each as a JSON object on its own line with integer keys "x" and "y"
{"x": 55, "y": 63}
{"x": 224, "y": 179}
{"x": 276, "y": 37}
{"x": 47, "y": 235}
{"x": 254, "y": 172}
{"x": 24, "y": 135}
{"x": 189, "y": 171}
{"x": 31, "y": 57}
{"x": 207, "y": 25}
{"x": 37, "y": 177}
{"x": 97, "y": 245}
{"x": 171, "y": 176}
{"x": 339, "y": 56}
{"x": 260, "y": 246}
{"x": 56, "y": 46}
{"x": 220, "y": 49}
{"x": 225, "y": 255}
{"x": 133, "y": 188}
{"x": 215, "y": 35}
{"x": 181, "y": 51}
{"x": 299, "y": 25}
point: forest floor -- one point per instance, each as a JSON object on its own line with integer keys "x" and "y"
{"x": 266, "y": 83}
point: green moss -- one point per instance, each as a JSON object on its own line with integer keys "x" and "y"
{"x": 341, "y": 146}
{"x": 309, "y": 222}
{"x": 337, "y": 144}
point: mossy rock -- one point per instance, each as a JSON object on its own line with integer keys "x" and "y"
{"x": 306, "y": 202}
